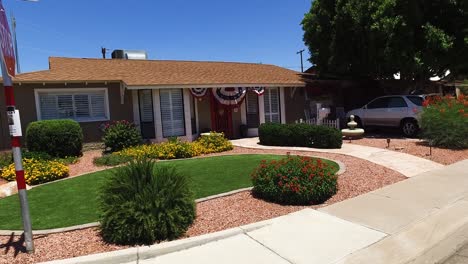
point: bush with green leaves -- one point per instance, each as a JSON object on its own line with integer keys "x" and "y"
{"x": 120, "y": 134}
{"x": 143, "y": 203}
{"x": 444, "y": 121}
{"x": 295, "y": 180}
{"x": 300, "y": 135}
{"x": 58, "y": 138}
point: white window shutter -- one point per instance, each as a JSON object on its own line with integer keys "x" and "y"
{"x": 146, "y": 106}
{"x": 65, "y": 106}
{"x": 81, "y": 109}
{"x": 48, "y": 106}
{"x": 272, "y": 105}
{"x": 98, "y": 106}
{"x": 172, "y": 112}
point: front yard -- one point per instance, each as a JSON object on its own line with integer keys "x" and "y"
{"x": 73, "y": 201}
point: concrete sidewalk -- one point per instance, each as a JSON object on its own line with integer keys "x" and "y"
{"x": 405, "y": 164}
{"x": 420, "y": 220}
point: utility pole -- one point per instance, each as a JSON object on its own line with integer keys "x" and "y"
{"x": 302, "y": 65}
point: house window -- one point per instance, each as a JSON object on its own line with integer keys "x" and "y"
{"x": 272, "y": 105}
{"x": 172, "y": 112}
{"x": 251, "y": 105}
{"x": 84, "y": 105}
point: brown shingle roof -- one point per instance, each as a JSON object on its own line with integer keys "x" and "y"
{"x": 162, "y": 72}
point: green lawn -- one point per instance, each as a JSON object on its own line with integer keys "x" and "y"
{"x": 73, "y": 201}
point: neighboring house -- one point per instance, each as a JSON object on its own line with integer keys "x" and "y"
{"x": 164, "y": 98}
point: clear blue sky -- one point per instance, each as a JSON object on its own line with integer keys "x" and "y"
{"x": 266, "y": 31}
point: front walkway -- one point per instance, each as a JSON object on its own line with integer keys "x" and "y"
{"x": 405, "y": 164}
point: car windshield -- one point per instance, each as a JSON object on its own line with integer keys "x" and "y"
{"x": 417, "y": 100}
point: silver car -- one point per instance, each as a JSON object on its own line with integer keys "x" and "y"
{"x": 391, "y": 111}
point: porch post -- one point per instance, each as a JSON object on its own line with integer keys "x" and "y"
{"x": 157, "y": 116}
{"x": 261, "y": 109}
{"x": 187, "y": 114}
{"x": 243, "y": 112}
{"x": 282, "y": 106}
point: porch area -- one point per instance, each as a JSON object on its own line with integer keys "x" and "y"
{"x": 162, "y": 113}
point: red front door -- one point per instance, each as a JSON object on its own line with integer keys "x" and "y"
{"x": 221, "y": 118}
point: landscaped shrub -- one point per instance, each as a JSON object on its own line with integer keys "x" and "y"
{"x": 120, "y": 134}
{"x": 58, "y": 138}
{"x": 172, "y": 149}
{"x": 213, "y": 143}
{"x": 5, "y": 159}
{"x": 37, "y": 171}
{"x": 302, "y": 135}
{"x": 142, "y": 203}
{"x": 295, "y": 180}
{"x": 444, "y": 121}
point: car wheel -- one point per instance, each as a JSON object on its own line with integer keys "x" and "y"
{"x": 409, "y": 128}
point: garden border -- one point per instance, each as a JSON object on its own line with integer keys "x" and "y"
{"x": 341, "y": 165}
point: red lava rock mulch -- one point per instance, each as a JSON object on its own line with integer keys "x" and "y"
{"x": 214, "y": 215}
{"x": 416, "y": 147}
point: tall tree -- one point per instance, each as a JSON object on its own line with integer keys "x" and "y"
{"x": 378, "y": 38}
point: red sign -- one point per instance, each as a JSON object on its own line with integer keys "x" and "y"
{"x": 8, "y": 51}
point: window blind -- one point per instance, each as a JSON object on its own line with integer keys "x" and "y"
{"x": 172, "y": 112}
{"x": 80, "y": 106}
{"x": 251, "y": 104}
{"x": 272, "y": 105}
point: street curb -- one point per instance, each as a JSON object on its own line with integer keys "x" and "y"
{"x": 147, "y": 252}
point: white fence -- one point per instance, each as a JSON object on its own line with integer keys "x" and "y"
{"x": 322, "y": 122}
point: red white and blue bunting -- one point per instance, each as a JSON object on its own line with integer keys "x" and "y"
{"x": 198, "y": 92}
{"x": 230, "y": 96}
{"x": 257, "y": 90}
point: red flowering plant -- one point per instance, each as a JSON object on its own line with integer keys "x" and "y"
{"x": 120, "y": 134}
{"x": 444, "y": 121}
{"x": 295, "y": 180}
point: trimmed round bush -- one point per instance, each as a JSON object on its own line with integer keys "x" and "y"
{"x": 444, "y": 122}
{"x": 295, "y": 180}
{"x": 37, "y": 171}
{"x": 142, "y": 203}
{"x": 58, "y": 138}
{"x": 300, "y": 135}
{"x": 121, "y": 134}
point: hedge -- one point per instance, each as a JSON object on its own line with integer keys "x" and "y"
{"x": 300, "y": 135}
{"x": 59, "y": 138}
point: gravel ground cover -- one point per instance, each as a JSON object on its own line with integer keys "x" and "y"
{"x": 415, "y": 147}
{"x": 214, "y": 215}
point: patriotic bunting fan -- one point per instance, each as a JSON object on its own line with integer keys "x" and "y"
{"x": 257, "y": 90}
{"x": 231, "y": 96}
{"x": 198, "y": 92}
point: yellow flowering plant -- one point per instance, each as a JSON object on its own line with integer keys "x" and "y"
{"x": 37, "y": 171}
{"x": 173, "y": 149}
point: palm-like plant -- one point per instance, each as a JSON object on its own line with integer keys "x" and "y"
{"x": 142, "y": 203}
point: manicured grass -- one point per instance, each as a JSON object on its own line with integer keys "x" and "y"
{"x": 73, "y": 201}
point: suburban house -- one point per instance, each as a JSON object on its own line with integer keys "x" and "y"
{"x": 164, "y": 98}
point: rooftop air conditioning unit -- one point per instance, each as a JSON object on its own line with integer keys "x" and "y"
{"x": 130, "y": 54}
